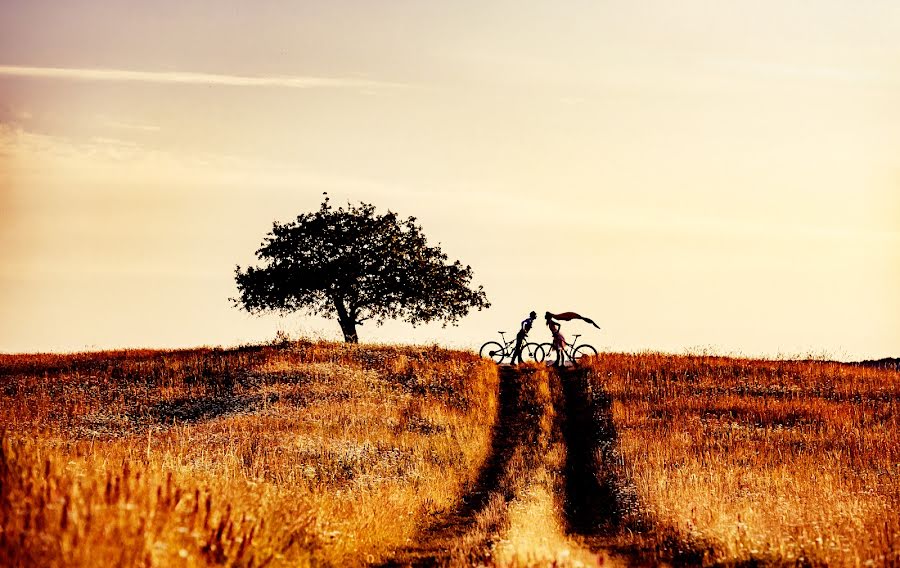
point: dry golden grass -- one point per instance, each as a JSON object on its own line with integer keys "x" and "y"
{"x": 736, "y": 461}
{"x": 298, "y": 455}
{"x": 328, "y": 454}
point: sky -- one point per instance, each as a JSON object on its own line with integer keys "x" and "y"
{"x": 696, "y": 176}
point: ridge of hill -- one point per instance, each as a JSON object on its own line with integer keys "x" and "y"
{"x": 891, "y": 363}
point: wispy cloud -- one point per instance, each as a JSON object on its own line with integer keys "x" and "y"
{"x": 191, "y": 78}
{"x": 801, "y": 71}
{"x": 112, "y": 163}
{"x": 132, "y": 126}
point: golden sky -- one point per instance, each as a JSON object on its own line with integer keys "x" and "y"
{"x": 710, "y": 175}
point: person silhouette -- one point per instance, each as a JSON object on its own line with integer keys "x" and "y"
{"x": 524, "y": 328}
{"x": 559, "y": 342}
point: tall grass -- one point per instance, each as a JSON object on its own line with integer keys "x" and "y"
{"x": 302, "y": 455}
{"x": 758, "y": 461}
{"x": 328, "y": 454}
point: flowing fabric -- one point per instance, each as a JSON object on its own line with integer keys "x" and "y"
{"x": 569, "y": 316}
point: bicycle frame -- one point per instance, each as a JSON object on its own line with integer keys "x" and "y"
{"x": 507, "y": 348}
{"x": 569, "y": 350}
{"x": 574, "y": 352}
{"x": 506, "y": 344}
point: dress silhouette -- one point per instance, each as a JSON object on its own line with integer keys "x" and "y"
{"x": 559, "y": 342}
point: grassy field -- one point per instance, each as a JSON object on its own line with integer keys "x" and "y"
{"x": 757, "y": 462}
{"x": 328, "y": 454}
{"x": 308, "y": 454}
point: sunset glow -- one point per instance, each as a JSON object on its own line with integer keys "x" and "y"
{"x": 696, "y": 175}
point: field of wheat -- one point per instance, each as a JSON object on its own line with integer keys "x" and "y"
{"x": 342, "y": 455}
{"x": 723, "y": 460}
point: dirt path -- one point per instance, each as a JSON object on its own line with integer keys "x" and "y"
{"x": 544, "y": 495}
{"x": 463, "y": 536}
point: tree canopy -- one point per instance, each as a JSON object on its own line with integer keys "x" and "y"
{"x": 356, "y": 265}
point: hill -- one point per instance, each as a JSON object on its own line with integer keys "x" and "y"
{"x": 891, "y": 363}
{"x": 329, "y": 454}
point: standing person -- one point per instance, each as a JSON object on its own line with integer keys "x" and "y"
{"x": 524, "y": 328}
{"x": 559, "y": 342}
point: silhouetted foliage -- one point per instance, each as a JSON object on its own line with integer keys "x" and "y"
{"x": 356, "y": 265}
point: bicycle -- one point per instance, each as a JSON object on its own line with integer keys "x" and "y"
{"x": 498, "y": 351}
{"x": 573, "y": 352}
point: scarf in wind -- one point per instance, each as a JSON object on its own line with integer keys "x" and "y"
{"x": 568, "y": 316}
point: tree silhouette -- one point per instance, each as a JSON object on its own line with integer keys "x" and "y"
{"x": 355, "y": 265}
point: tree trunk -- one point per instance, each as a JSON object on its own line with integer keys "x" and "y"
{"x": 349, "y": 329}
{"x": 347, "y": 322}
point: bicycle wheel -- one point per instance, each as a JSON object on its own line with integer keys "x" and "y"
{"x": 534, "y": 352}
{"x": 493, "y": 350}
{"x": 549, "y": 354}
{"x": 583, "y": 351}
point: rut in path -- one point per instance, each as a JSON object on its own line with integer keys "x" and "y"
{"x": 463, "y": 536}
{"x": 600, "y": 502}
{"x": 596, "y": 499}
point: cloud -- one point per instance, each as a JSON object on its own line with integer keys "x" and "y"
{"x": 190, "y": 78}
{"x": 111, "y": 164}
{"x": 132, "y": 126}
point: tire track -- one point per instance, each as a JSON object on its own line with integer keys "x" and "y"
{"x": 600, "y": 502}
{"x": 596, "y": 498}
{"x": 465, "y": 535}
{"x": 549, "y": 493}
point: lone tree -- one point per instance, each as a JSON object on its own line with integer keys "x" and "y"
{"x": 356, "y": 265}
